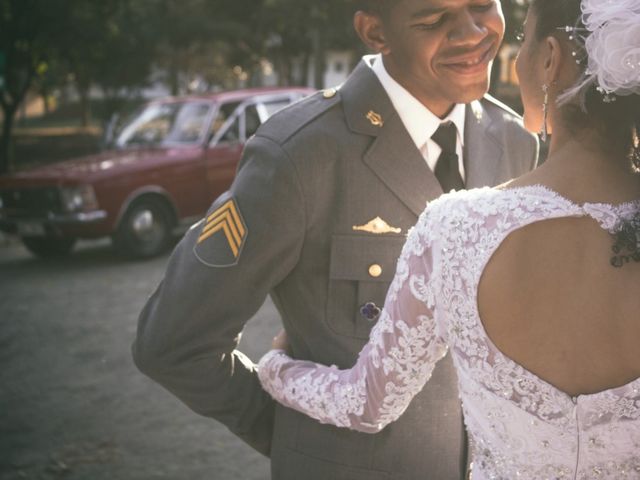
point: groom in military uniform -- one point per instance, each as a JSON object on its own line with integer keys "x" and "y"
{"x": 316, "y": 217}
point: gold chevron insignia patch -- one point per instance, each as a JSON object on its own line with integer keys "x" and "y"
{"x": 222, "y": 237}
{"x": 377, "y": 226}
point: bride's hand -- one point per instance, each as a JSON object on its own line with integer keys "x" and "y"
{"x": 280, "y": 341}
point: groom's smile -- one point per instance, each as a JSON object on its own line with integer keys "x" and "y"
{"x": 475, "y": 62}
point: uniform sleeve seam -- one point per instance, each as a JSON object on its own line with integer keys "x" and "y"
{"x": 296, "y": 175}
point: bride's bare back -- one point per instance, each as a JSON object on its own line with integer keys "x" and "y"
{"x": 550, "y": 300}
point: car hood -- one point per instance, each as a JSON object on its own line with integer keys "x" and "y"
{"x": 101, "y": 166}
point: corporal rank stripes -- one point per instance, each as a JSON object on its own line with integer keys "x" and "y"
{"x": 222, "y": 235}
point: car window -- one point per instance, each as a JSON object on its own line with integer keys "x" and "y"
{"x": 232, "y": 134}
{"x": 171, "y": 122}
{"x": 149, "y": 127}
{"x": 252, "y": 120}
{"x": 189, "y": 123}
{"x": 275, "y": 105}
{"x": 224, "y": 112}
{"x": 250, "y": 116}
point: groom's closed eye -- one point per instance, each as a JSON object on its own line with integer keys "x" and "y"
{"x": 483, "y": 7}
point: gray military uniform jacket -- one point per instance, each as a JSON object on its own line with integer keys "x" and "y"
{"x": 310, "y": 175}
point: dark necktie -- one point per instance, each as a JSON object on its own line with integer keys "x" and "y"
{"x": 446, "y": 170}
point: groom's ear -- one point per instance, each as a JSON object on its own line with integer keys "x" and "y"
{"x": 370, "y": 29}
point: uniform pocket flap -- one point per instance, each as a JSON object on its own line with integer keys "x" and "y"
{"x": 365, "y": 258}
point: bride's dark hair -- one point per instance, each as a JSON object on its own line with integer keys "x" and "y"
{"x": 615, "y": 122}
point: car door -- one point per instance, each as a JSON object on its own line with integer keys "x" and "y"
{"x": 225, "y": 149}
{"x": 223, "y": 152}
{"x": 184, "y": 157}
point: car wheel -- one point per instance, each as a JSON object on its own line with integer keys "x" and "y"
{"x": 145, "y": 230}
{"x": 49, "y": 247}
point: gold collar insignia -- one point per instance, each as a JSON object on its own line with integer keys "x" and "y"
{"x": 375, "y": 119}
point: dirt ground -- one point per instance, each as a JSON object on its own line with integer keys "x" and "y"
{"x": 72, "y": 404}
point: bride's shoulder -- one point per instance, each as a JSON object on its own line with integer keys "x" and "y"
{"x": 464, "y": 200}
{"x": 451, "y": 207}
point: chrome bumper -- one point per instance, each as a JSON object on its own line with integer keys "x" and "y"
{"x": 9, "y": 222}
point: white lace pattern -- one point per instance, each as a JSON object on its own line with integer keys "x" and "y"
{"x": 519, "y": 425}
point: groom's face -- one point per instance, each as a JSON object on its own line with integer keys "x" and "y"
{"x": 441, "y": 50}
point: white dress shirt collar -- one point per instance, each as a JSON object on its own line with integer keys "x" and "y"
{"x": 419, "y": 121}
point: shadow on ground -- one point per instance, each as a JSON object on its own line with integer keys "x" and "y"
{"x": 72, "y": 405}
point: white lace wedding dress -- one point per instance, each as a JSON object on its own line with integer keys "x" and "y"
{"x": 519, "y": 425}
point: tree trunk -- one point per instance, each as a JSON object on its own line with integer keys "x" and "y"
{"x": 318, "y": 58}
{"x": 10, "y": 101}
{"x": 283, "y": 69}
{"x": 254, "y": 74}
{"x": 6, "y": 159}
{"x": 85, "y": 108}
{"x": 174, "y": 75}
{"x": 289, "y": 63}
{"x": 44, "y": 93}
{"x": 305, "y": 69}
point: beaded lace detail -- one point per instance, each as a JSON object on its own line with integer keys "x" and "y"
{"x": 519, "y": 425}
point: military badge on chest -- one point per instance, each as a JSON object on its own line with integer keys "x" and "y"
{"x": 222, "y": 236}
{"x": 369, "y": 310}
{"x": 376, "y": 226}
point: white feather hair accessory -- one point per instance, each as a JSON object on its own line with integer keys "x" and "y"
{"x": 612, "y": 46}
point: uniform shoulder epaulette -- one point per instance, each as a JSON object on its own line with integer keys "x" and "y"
{"x": 285, "y": 123}
{"x": 494, "y": 101}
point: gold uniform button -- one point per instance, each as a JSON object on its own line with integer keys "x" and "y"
{"x": 329, "y": 93}
{"x": 375, "y": 270}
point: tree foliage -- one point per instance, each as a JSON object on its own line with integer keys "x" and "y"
{"x": 27, "y": 30}
{"x": 115, "y": 45}
{"x": 48, "y": 42}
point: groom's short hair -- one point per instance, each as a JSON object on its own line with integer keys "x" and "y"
{"x": 378, "y": 7}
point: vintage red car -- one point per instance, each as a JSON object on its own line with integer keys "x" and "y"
{"x": 169, "y": 161}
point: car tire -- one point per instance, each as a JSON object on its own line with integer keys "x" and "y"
{"x": 49, "y": 246}
{"x": 145, "y": 229}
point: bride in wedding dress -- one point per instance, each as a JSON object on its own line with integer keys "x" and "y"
{"x": 533, "y": 287}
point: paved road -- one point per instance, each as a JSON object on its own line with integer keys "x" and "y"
{"x": 72, "y": 405}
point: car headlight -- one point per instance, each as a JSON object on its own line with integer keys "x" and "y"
{"x": 80, "y": 198}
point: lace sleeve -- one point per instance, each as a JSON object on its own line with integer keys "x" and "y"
{"x": 392, "y": 368}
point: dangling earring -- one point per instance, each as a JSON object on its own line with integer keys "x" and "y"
{"x": 545, "y": 111}
{"x": 635, "y": 158}
{"x": 635, "y": 151}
